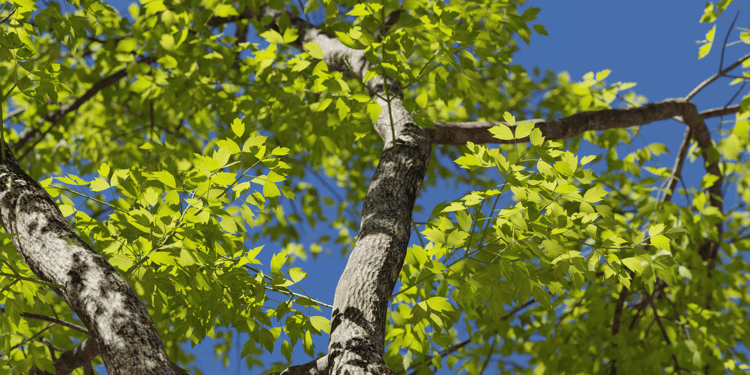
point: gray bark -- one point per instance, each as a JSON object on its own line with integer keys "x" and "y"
{"x": 108, "y": 307}
{"x": 120, "y": 325}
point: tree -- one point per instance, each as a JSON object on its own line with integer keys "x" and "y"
{"x": 180, "y": 134}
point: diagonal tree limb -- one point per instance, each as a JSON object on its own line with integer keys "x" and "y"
{"x": 105, "y": 303}
{"x": 55, "y": 116}
{"x": 50, "y": 319}
{"x": 716, "y": 112}
{"x": 676, "y": 174}
{"x": 457, "y": 133}
{"x": 8, "y": 16}
{"x": 716, "y": 76}
{"x": 74, "y": 358}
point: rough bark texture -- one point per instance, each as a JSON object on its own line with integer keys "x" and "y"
{"x": 364, "y": 290}
{"x": 97, "y": 293}
{"x": 458, "y": 133}
{"x": 123, "y": 331}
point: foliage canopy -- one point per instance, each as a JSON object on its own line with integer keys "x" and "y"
{"x": 179, "y": 149}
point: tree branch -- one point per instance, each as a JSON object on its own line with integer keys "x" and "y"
{"x": 716, "y": 76}
{"x": 74, "y": 358}
{"x": 55, "y": 116}
{"x": 50, "y": 319}
{"x": 8, "y": 16}
{"x": 458, "y": 133}
{"x": 716, "y": 112}
{"x": 101, "y": 298}
{"x": 316, "y": 367}
{"x": 461, "y": 344}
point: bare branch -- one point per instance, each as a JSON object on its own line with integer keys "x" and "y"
{"x": 55, "y": 116}
{"x": 676, "y": 174}
{"x": 8, "y": 16}
{"x": 716, "y": 76}
{"x": 716, "y": 112}
{"x": 616, "y": 323}
{"x": 458, "y": 133}
{"x": 15, "y": 112}
{"x": 50, "y": 319}
{"x": 489, "y": 356}
{"x": 389, "y": 21}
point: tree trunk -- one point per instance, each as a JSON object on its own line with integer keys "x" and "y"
{"x": 97, "y": 293}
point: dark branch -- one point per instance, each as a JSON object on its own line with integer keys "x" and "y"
{"x": 458, "y": 133}
{"x": 716, "y": 76}
{"x": 55, "y": 116}
{"x": 50, "y": 319}
{"x": 8, "y": 16}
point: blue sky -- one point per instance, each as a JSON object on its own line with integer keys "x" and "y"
{"x": 652, "y": 43}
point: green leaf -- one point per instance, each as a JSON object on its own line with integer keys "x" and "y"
{"x": 314, "y": 50}
{"x": 277, "y": 261}
{"x": 708, "y": 180}
{"x": 167, "y": 42}
{"x": 188, "y": 257}
{"x": 439, "y": 304}
{"x": 225, "y": 10}
{"x": 99, "y": 184}
{"x": 536, "y": 137}
{"x": 523, "y": 290}
{"x": 502, "y": 132}
{"x": 360, "y": 10}
{"x": 595, "y": 194}
{"x": 635, "y": 264}
{"x": 272, "y": 36}
{"x": 464, "y": 220}
{"x": 661, "y": 242}
{"x": 238, "y": 127}
{"x": 297, "y": 274}
{"x": 286, "y": 350}
{"x": 290, "y": 35}
{"x": 524, "y": 129}
{"x": 655, "y": 229}
{"x": 373, "y": 110}
{"x": 321, "y": 324}
{"x": 566, "y": 189}
{"x": 164, "y": 177}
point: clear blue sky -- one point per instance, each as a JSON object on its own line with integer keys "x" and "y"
{"x": 652, "y": 43}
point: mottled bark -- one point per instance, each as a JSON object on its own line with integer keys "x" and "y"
{"x": 108, "y": 307}
{"x": 362, "y": 295}
{"x": 317, "y": 367}
{"x": 364, "y": 290}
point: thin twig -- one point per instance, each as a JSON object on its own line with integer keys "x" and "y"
{"x": 716, "y": 76}
{"x": 8, "y": 16}
{"x": 50, "y": 319}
